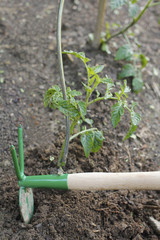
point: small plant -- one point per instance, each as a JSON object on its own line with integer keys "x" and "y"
{"x": 76, "y": 109}
{"x": 136, "y": 61}
{"x": 134, "y": 14}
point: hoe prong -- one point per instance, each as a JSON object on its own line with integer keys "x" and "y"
{"x": 26, "y": 201}
{"x": 20, "y": 144}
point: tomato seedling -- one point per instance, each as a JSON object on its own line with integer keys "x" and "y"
{"x": 76, "y": 108}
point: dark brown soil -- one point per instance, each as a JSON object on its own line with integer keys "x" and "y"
{"x": 28, "y": 67}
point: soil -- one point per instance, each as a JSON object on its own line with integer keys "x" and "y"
{"x": 28, "y": 67}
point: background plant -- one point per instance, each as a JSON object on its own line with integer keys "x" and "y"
{"x": 134, "y": 13}
{"x": 76, "y": 109}
{"x": 136, "y": 61}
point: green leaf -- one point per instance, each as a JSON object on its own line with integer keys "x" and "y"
{"x": 50, "y": 93}
{"x": 68, "y": 109}
{"x": 107, "y": 30}
{"x": 124, "y": 52}
{"x": 107, "y": 95}
{"x": 126, "y": 88}
{"x": 134, "y": 104}
{"x": 80, "y": 55}
{"x": 130, "y": 132}
{"x": 87, "y": 142}
{"x": 95, "y": 69}
{"x": 137, "y": 84}
{"x": 105, "y": 48}
{"x": 108, "y": 81}
{"x": 89, "y": 121}
{"x": 117, "y": 112}
{"x": 82, "y": 107}
{"x": 133, "y": 9}
{"x": 135, "y": 118}
{"x": 73, "y": 93}
{"x": 127, "y": 71}
{"x": 117, "y": 3}
{"x": 97, "y": 141}
{"x": 98, "y": 68}
{"x": 134, "y": 1}
{"x": 143, "y": 60}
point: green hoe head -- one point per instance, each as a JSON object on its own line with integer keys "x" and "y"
{"x": 26, "y": 203}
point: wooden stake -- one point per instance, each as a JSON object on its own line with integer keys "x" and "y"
{"x": 99, "y": 23}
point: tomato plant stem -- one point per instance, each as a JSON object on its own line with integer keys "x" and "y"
{"x": 80, "y": 133}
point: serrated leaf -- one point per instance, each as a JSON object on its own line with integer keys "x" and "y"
{"x": 73, "y": 93}
{"x": 107, "y": 95}
{"x": 68, "y": 109}
{"x": 89, "y": 121}
{"x": 133, "y": 9}
{"x": 49, "y": 94}
{"x": 97, "y": 69}
{"x": 97, "y": 141}
{"x": 125, "y": 52}
{"x": 117, "y": 112}
{"x": 87, "y": 142}
{"x": 82, "y": 107}
{"x": 143, "y": 60}
{"x": 80, "y": 55}
{"x": 127, "y": 71}
{"x": 107, "y": 80}
{"x": 130, "y": 132}
{"x": 117, "y": 3}
{"x": 135, "y": 118}
{"x": 137, "y": 84}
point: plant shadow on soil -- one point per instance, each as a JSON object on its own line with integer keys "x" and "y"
{"x": 28, "y": 53}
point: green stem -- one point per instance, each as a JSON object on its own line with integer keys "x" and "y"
{"x": 20, "y": 144}
{"x": 128, "y": 109}
{"x": 80, "y": 133}
{"x": 135, "y": 20}
{"x": 16, "y": 165}
{"x": 154, "y": 4}
{"x": 100, "y": 99}
{"x": 61, "y": 162}
{"x": 74, "y": 123}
